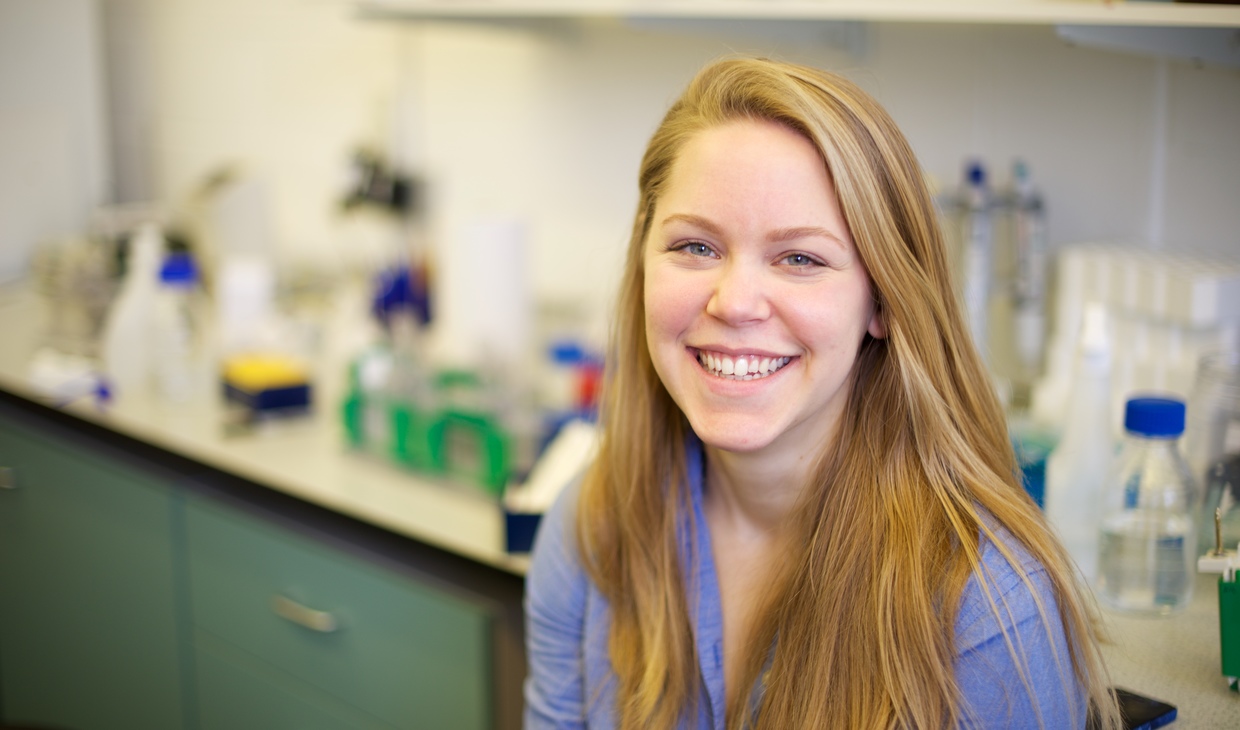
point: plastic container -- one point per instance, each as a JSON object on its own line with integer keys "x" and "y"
{"x": 126, "y": 344}
{"x": 561, "y": 378}
{"x": 1081, "y": 461}
{"x": 1147, "y": 557}
{"x": 1033, "y": 446}
{"x": 176, "y": 321}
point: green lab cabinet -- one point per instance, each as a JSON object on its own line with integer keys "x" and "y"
{"x": 140, "y": 590}
{"x": 330, "y": 629}
{"x": 89, "y": 633}
{"x": 236, "y": 691}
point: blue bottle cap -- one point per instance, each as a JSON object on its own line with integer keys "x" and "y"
{"x": 975, "y": 173}
{"x": 1154, "y": 416}
{"x": 178, "y": 268}
{"x": 566, "y": 352}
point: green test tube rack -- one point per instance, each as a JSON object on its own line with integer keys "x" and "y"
{"x": 1229, "y": 628}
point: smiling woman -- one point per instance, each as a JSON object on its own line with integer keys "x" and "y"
{"x": 749, "y": 260}
{"x": 804, "y": 511}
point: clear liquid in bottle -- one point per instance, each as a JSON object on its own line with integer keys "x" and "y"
{"x": 1147, "y": 561}
{"x": 1147, "y": 539}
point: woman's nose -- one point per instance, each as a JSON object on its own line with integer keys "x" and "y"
{"x": 738, "y": 296}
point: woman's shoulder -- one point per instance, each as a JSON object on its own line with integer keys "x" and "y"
{"x": 1010, "y": 579}
{"x": 1014, "y": 662}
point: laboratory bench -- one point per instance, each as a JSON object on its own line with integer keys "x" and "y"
{"x": 158, "y": 570}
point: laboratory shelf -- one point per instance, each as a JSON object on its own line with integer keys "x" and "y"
{"x": 1037, "y": 12}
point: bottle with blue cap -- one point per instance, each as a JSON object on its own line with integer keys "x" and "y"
{"x": 977, "y": 245}
{"x": 177, "y": 337}
{"x": 1147, "y": 543}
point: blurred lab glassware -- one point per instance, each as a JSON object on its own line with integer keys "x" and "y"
{"x": 1222, "y": 485}
{"x": 179, "y": 359}
{"x": 77, "y": 279}
{"x": 1146, "y": 557}
{"x": 977, "y": 251}
{"x": 1212, "y": 443}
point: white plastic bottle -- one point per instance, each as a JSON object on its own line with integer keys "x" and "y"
{"x": 126, "y": 343}
{"x": 1080, "y": 464}
{"x": 1148, "y": 543}
{"x": 176, "y": 336}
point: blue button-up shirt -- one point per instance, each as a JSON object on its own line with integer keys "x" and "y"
{"x": 571, "y": 683}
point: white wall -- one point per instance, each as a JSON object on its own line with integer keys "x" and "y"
{"x": 548, "y": 121}
{"x": 1202, "y": 183}
{"x": 129, "y": 61}
{"x": 282, "y": 90}
{"x": 1094, "y": 126}
{"x": 54, "y": 165}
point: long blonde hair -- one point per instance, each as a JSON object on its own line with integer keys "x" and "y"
{"x": 890, "y": 526}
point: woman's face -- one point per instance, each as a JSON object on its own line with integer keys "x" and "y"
{"x": 756, "y": 300}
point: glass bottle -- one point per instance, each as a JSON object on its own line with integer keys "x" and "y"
{"x": 1029, "y": 250}
{"x": 977, "y": 244}
{"x": 1147, "y": 544}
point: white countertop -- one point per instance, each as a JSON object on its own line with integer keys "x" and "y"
{"x": 305, "y": 457}
{"x": 1175, "y": 659}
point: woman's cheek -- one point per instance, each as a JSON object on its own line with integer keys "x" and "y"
{"x": 672, "y": 300}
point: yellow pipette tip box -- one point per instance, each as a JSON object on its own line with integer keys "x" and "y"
{"x": 266, "y": 382}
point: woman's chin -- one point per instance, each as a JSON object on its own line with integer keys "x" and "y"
{"x": 740, "y": 435}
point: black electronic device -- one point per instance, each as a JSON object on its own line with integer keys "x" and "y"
{"x": 1139, "y": 712}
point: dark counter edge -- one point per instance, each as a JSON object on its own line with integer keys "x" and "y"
{"x": 445, "y": 570}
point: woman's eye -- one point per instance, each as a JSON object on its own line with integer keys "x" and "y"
{"x": 697, "y": 248}
{"x": 800, "y": 259}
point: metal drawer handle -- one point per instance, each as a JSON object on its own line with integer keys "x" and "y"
{"x": 8, "y": 479}
{"x": 320, "y": 621}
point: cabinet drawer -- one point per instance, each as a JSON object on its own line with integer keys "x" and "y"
{"x": 236, "y": 691}
{"x": 410, "y": 655}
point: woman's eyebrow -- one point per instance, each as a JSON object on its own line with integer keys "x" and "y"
{"x": 694, "y": 220}
{"x": 779, "y": 235}
{"x": 795, "y": 232}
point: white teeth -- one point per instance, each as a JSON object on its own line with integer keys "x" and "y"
{"x": 746, "y": 367}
